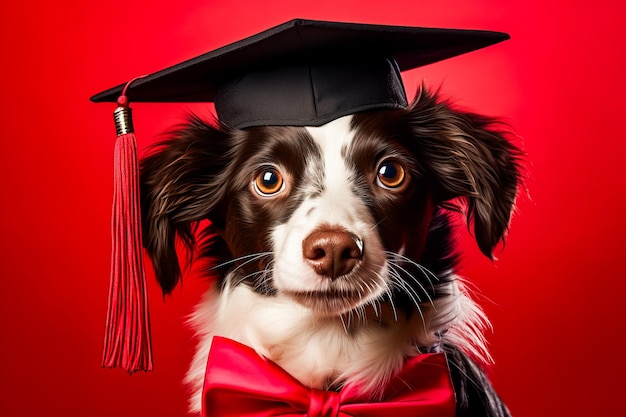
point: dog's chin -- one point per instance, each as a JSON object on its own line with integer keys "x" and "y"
{"x": 342, "y": 296}
{"x": 329, "y": 303}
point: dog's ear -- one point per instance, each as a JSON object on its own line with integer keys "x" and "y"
{"x": 180, "y": 185}
{"x": 470, "y": 159}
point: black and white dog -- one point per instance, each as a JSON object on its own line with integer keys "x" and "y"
{"x": 334, "y": 244}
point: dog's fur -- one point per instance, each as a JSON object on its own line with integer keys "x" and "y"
{"x": 391, "y": 291}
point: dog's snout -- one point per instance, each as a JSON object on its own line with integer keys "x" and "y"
{"x": 332, "y": 253}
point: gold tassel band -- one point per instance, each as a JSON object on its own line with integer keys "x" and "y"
{"x": 123, "y": 117}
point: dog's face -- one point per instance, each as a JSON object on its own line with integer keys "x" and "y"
{"x": 336, "y": 217}
{"x": 315, "y": 213}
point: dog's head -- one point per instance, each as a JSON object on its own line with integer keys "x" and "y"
{"x": 332, "y": 217}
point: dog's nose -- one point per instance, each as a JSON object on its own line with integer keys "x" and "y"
{"x": 332, "y": 253}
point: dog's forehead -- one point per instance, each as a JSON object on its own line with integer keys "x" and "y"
{"x": 325, "y": 169}
{"x": 334, "y": 137}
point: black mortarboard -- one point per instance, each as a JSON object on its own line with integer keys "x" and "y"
{"x": 305, "y": 72}
{"x": 301, "y": 73}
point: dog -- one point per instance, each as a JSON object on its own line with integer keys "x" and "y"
{"x": 332, "y": 247}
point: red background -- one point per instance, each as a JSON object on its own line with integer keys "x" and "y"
{"x": 555, "y": 296}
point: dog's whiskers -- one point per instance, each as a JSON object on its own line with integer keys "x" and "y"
{"x": 246, "y": 277}
{"x": 264, "y": 283}
{"x": 343, "y": 323}
{"x": 375, "y": 226}
{"x": 396, "y": 268}
{"x": 249, "y": 258}
{"x": 387, "y": 292}
{"x": 428, "y": 274}
{"x": 397, "y": 276}
{"x": 361, "y": 314}
{"x": 376, "y": 307}
{"x": 376, "y": 303}
{"x": 260, "y": 284}
{"x": 399, "y": 283}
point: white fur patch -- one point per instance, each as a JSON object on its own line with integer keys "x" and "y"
{"x": 335, "y": 205}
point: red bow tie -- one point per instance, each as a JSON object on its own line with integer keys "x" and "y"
{"x": 240, "y": 382}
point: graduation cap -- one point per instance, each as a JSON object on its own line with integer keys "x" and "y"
{"x": 304, "y": 72}
{"x": 300, "y": 73}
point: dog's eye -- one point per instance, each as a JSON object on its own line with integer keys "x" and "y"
{"x": 391, "y": 175}
{"x": 268, "y": 182}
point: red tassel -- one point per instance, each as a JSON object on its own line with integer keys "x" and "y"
{"x": 127, "y": 342}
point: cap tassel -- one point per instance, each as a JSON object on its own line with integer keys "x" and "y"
{"x": 127, "y": 342}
